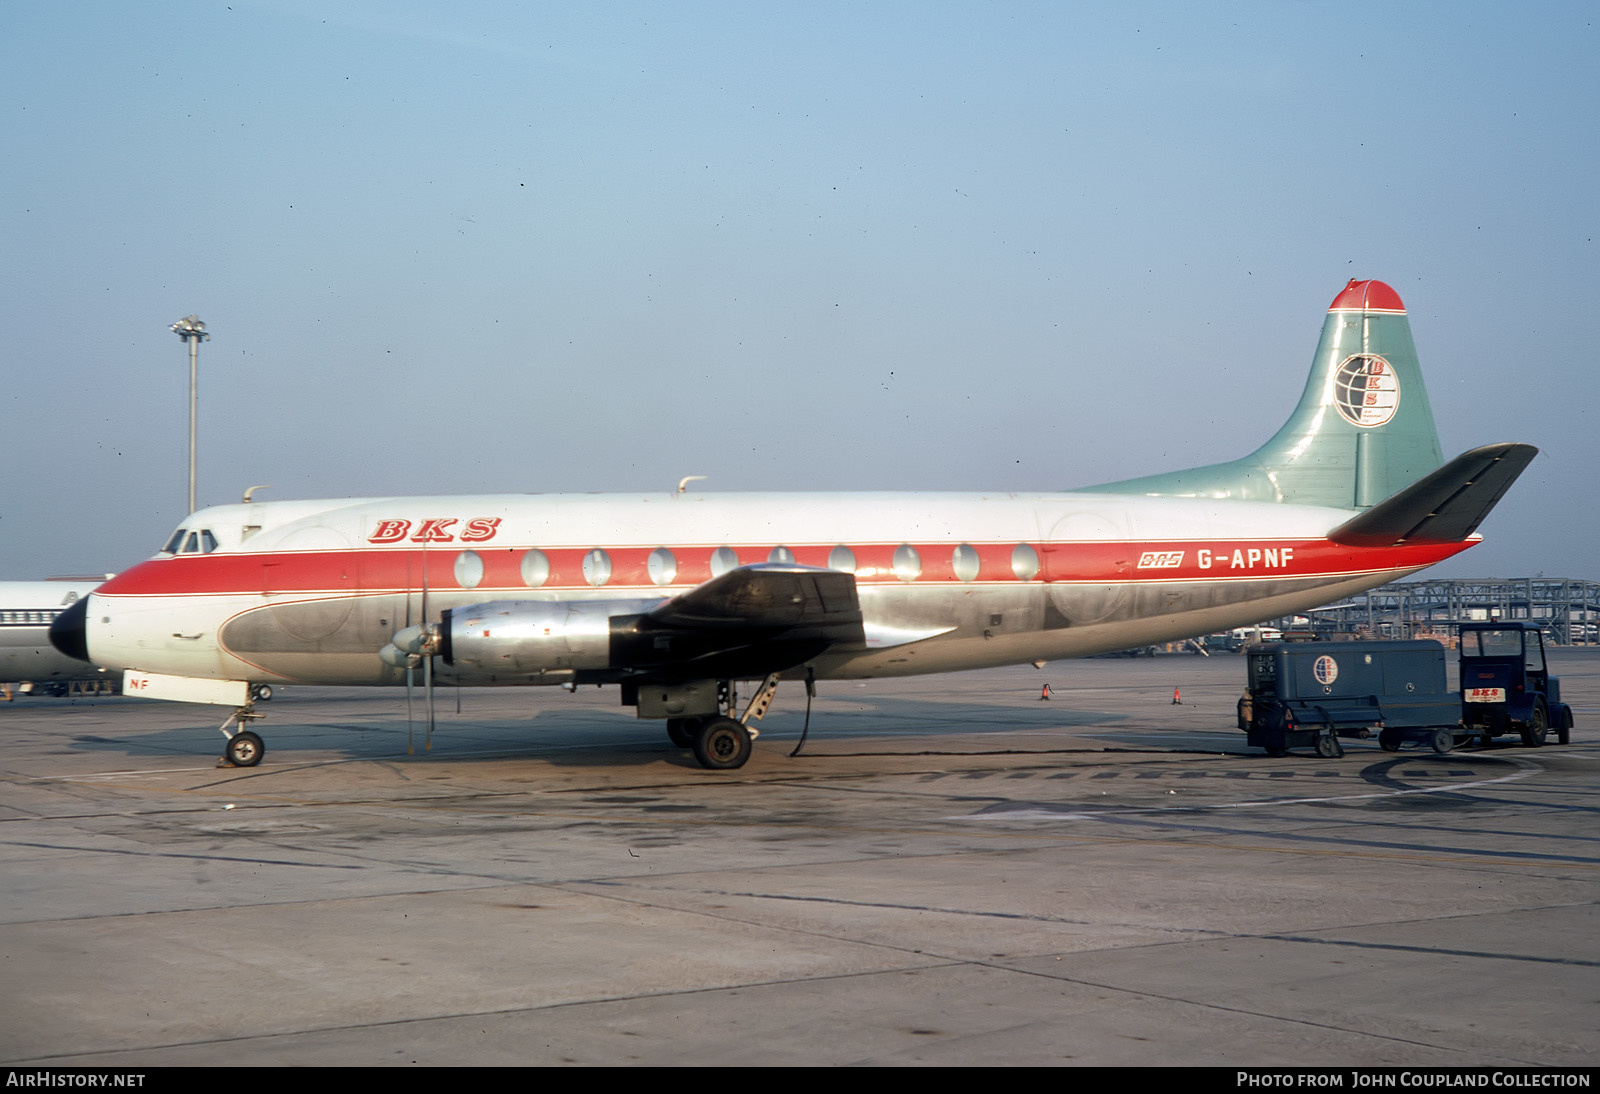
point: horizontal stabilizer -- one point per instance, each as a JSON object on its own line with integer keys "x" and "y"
{"x": 1445, "y": 506}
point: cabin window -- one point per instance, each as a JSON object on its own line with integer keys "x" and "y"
{"x": 723, "y": 559}
{"x": 662, "y": 566}
{"x": 597, "y": 567}
{"x": 907, "y": 563}
{"x": 843, "y": 559}
{"x": 964, "y": 561}
{"x": 535, "y": 568}
{"x": 469, "y": 569}
{"x": 1025, "y": 562}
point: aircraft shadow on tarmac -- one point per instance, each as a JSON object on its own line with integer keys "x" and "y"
{"x": 587, "y": 735}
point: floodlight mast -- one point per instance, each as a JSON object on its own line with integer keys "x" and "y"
{"x": 193, "y": 332}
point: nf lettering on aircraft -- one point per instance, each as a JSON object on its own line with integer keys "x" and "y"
{"x": 1366, "y": 390}
{"x": 435, "y": 530}
{"x": 1326, "y": 670}
{"x": 1160, "y": 560}
{"x": 1246, "y": 558}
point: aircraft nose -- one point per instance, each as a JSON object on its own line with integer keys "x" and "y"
{"x": 69, "y": 632}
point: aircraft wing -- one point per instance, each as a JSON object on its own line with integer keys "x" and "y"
{"x": 1445, "y": 506}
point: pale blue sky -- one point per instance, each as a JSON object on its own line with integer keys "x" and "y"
{"x": 496, "y": 247}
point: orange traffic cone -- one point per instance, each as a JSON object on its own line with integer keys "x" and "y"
{"x": 1175, "y": 700}
{"x": 1044, "y": 692}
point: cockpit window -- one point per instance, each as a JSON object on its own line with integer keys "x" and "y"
{"x": 198, "y": 542}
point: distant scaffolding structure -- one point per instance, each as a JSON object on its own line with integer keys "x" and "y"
{"x": 1567, "y": 610}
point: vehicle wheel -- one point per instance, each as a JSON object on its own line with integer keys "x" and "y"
{"x": 1275, "y": 753}
{"x": 261, "y": 693}
{"x": 1537, "y": 727}
{"x": 1443, "y": 741}
{"x": 1389, "y": 740}
{"x": 1564, "y": 732}
{"x": 244, "y": 749}
{"x": 680, "y": 731}
{"x": 722, "y": 744}
{"x": 1328, "y": 747}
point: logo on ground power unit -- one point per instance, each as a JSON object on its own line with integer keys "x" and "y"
{"x": 1366, "y": 390}
{"x": 1326, "y": 670}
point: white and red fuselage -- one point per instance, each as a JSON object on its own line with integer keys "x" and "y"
{"x": 310, "y": 592}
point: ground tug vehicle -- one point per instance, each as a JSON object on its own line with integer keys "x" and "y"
{"x": 1506, "y": 685}
{"x": 1303, "y": 695}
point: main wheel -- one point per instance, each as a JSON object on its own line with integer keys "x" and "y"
{"x": 244, "y": 749}
{"x": 1443, "y": 741}
{"x": 680, "y": 731}
{"x": 1328, "y": 747}
{"x": 722, "y": 744}
{"x": 1389, "y": 740}
{"x": 1564, "y": 731}
{"x": 1535, "y": 729}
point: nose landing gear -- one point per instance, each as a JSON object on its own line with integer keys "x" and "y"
{"x": 243, "y": 748}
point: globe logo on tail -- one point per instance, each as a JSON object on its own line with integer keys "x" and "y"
{"x": 1366, "y": 390}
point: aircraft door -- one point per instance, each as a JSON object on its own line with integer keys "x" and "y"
{"x": 1084, "y": 546}
{"x": 303, "y": 580}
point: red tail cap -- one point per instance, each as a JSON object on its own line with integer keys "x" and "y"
{"x": 1367, "y": 296}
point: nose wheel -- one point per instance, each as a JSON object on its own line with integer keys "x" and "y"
{"x": 244, "y": 749}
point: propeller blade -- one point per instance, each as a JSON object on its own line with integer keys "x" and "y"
{"x": 431, "y": 644}
{"x": 427, "y": 688}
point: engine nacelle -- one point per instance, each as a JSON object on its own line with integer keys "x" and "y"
{"x": 533, "y": 637}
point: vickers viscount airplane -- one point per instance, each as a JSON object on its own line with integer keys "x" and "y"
{"x": 677, "y": 597}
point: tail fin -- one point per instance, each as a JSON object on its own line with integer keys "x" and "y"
{"x": 1362, "y": 432}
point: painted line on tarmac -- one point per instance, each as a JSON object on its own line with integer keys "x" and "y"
{"x": 1035, "y": 813}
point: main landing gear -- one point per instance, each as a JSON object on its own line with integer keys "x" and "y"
{"x": 720, "y": 742}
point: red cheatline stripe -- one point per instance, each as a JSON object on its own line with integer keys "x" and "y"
{"x": 302, "y": 572}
